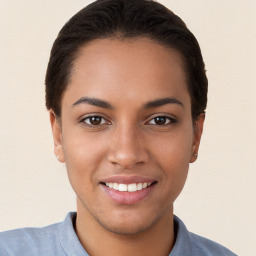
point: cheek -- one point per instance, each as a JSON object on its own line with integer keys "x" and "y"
{"x": 172, "y": 155}
{"x": 83, "y": 154}
{"x": 174, "y": 149}
{"x": 174, "y": 160}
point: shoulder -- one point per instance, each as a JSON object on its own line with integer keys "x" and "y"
{"x": 203, "y": 246}
{"x": 58, "y": 239}
{"x": 188, "y": 243}
{"x": 31, "y": 241}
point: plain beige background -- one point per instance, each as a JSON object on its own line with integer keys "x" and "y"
{"x": 219, "y": 198}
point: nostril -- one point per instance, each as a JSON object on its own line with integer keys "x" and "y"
{"x": 127, "y": 156}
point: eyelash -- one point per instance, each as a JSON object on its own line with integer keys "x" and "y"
{"x": 170, "y": 120}
{"x": 90, "y": 125}
{"x": 166, "y": 118}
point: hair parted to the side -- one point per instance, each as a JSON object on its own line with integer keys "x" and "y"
{"x": 125, "y": 19}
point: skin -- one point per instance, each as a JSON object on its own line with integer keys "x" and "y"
{"x": 127, "y": 74}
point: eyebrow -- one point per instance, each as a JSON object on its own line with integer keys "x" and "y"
{"x": 163, "y": 101}
{"x": 93, "y": 102}
{"x": 104, "y": 104}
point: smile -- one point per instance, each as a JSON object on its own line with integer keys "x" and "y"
{"x": 128, "y": 190}
{"x": 128, "y": 187}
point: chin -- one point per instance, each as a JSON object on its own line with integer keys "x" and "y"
{"x": 127, "y": 228}
{"x": 128, "y": 224}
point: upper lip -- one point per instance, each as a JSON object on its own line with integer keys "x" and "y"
{"x": 124, "y": 179}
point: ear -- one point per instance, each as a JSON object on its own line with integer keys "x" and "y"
{"x": 198, "y": 130}
{"x": 57, "y": 136}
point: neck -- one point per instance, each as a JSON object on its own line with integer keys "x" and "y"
{"x": 158, "y": 239}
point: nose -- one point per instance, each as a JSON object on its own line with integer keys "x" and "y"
{"x": 127, "y": 148}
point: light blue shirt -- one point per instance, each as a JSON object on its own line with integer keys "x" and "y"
{"x": 61, "y": 240}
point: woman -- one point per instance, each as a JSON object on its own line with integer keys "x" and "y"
{"x": 126, "y": 91}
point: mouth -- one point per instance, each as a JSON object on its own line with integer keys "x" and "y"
{"x": 128, "y": 191}
{"x": 132, "y": 187}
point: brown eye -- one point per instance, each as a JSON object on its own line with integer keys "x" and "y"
{"x": 94, "y": 120}
{"x": 162, "y": 120}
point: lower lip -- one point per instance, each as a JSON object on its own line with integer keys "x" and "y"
{"x": 128, "y": 198}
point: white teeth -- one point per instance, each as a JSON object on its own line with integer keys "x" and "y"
{"x": 128, "y": 187}
{"x": 122, "y": 187}
{"x": 115, "y": 186}
{"x": 109, "y": 185}
{"x": 132, "y": 187}
{"x": 139, "y": 186}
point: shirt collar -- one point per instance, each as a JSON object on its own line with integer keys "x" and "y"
{"x": 68, "y": 238}
{"x": 182, "y": 244}
{"x": 72, "y": 246}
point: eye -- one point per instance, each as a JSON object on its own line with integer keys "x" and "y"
{"x": 162, "y": 120}
{"x": 94, "y": 121}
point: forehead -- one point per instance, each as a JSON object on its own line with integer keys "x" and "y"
{"x": 127, "y": 70}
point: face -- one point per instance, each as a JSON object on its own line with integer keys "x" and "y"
{"x": 126, "y": 133}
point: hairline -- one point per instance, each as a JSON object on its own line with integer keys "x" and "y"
{"x": 123, "y": 37}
